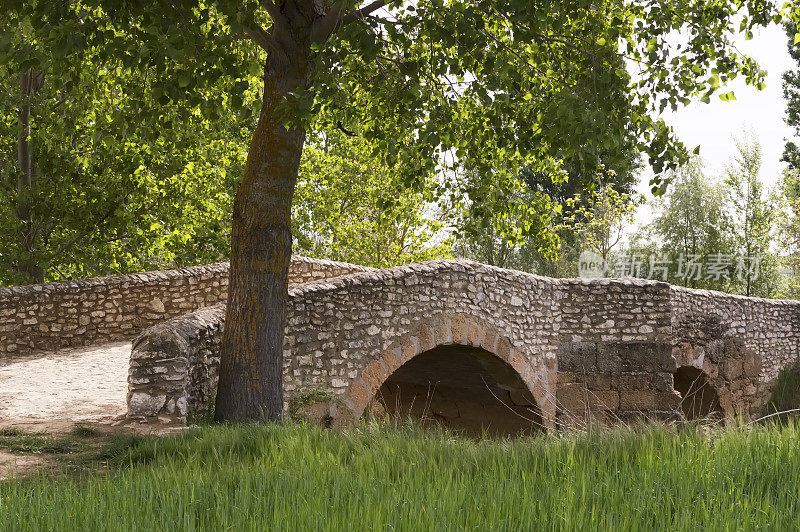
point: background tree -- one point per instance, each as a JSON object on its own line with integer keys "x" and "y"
{"x": 788, "y": 232}
{"x": 508, "y": 217}
{"x": 527, "y": 223}
{"x": 349, "y": 205}
{"x": 691, "y": 220}
{"x": 104, "y": 181}
{"x": 753, "y": 218}
{"x": 600, "y": 220}
{"x": 791, "y": 92}
{"x": 501, "y": 79}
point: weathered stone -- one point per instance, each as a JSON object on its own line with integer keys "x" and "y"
{"x": 374, "y": 375}
{"x": 157, "y": 306}
{"x": 121, "y": 306}
{"x": 142, "y": 404}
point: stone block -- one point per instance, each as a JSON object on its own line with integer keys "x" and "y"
{"x": 391, "y": 358}
{"x": 577, "y": 357}
{"x": 144, "y": 404}
{"x": 490, "y": 338}
{"x": 572, "y": 396}
{"x": 458, "y": 327}
{"x": 424, "y": 334}
{"x": 648, "y": 400}
{"x": 374, "y": 375}
{"x": 409, "y": 348}
{"x": 359, "y": 395}
{"x": 662, "y": 382}
{"x": 475, "y": 332}
{"x": 751, "y": 364}
{"x": 597, "y": 382}
{"x": 442, "y": 332}
{"x": 629, "y": 382}
{"x": 603, "y": 400}
{"x": 732, "y": 368}
{"x": 504, "y": 349}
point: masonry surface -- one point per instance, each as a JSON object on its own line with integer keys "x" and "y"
{"x": 454, "y": 342}
{"x": 487, "y": 349}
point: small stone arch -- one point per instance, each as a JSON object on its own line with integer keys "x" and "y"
{"x": 699, "y": 398}
{"x": 451, "y": 335}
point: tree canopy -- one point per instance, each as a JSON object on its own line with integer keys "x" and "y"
{"x": 108, "y": 174}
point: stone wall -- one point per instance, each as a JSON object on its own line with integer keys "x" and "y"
{"x": 175, "y": 364}
{"x": 90, "y": 311}
{"x": 614, "y": 354}
{"x": 586, "y": 350}
{"x": 741, "y": 343}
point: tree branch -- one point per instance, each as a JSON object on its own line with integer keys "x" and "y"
{"x": 324, "y": 26}
{"x": 274, "y": 12}
{"x": 341, "y": 128}
{"x": 260, "y": 36}
{"x": 363, "y": 12}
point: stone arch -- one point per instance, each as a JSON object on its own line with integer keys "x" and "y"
{"x": 445, "y": 336}
{"x": 730, "y": 368}
{"x": 699, "y": 398}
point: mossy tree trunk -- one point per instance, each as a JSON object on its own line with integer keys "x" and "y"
{"x": 250, "y": 379}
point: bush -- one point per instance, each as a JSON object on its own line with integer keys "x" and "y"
{"x": 785, "y": 395}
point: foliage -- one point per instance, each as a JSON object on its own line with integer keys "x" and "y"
{"x": 292, "y": 477}
{"x": 791, "y": 92}
{"x": 789, "y": 230}
{"x": 350, "y": 205}
{"x": 529, "y": 224}
{"x": 311, "y": 396}
{"x": 499, "y": 215}
{"x": 716, "y": 234}
{"x": 602, "y": 219}
{"x": 785, "y": 394}
{"x": 691, "y": 220}
{"x": 133, "y": 165}
{"x": 753, "y": 220}
{"x": 540, "y": 80}
{"x": 492, "y": 81}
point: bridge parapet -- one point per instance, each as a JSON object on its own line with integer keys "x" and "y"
{"x": 90, "y": 311}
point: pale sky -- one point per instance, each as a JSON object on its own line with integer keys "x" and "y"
{"x": 713, "y": 126}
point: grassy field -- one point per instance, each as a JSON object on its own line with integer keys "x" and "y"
{"x": 303, "y": 478}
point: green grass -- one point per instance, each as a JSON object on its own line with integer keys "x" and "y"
{"x": 303, "y": 478}
{"x": 21, "y": 442}
{"x": 82, "y": 431}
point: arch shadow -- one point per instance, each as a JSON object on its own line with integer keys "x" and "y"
{"x": 699, "y": 399}
{"x": 463, "y": 388}
{"x": 453, "y": 368}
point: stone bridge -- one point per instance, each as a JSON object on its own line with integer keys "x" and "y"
{"x": 487, "y": 349}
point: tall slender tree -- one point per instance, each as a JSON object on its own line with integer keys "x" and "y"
{"x": 753, "y": 217}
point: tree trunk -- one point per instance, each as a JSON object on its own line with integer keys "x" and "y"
{"x": 30, "y": 83}
{"x": 251, "y": 365}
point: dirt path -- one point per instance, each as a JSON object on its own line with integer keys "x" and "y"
{"x": 52, "y": 391}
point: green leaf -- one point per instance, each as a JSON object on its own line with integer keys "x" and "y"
{"x": 184, "y": 79}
